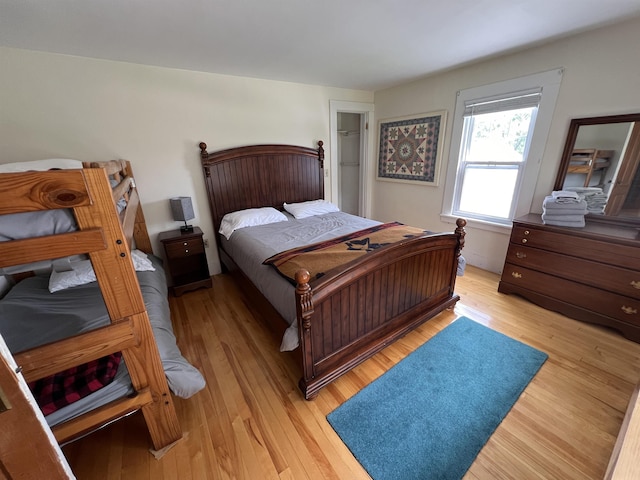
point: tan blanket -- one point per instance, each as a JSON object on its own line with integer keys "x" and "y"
{"x": 321, "y": 257}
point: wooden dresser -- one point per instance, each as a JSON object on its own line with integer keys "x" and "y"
{"x": 590, "y": 274}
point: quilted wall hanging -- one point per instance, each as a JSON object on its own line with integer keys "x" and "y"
{"x": 411, "y": 148}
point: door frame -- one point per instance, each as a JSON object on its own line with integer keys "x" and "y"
{"x": 25, "y": 430}
{"x": 366, "y": 151}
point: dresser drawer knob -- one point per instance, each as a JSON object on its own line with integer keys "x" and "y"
{"x": 526, "y": 232}
{"x": 185, "y": 244}
{"x": 521, "y": 255}
{"x": 635, "y": 284}
{"x": 186, "y": 250}
{"x": 516, "y": 275}
{"x": 524, "y": 240}
{"x": 629, "y": 310}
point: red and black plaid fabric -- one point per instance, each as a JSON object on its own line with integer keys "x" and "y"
{"x": 66, "y": 387}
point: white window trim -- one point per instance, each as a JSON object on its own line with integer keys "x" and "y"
{"x": 550, "y": 83}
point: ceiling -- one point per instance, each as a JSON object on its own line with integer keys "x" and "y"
{"x": 359, "y": 44}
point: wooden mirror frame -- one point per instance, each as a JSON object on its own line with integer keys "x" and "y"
{"x": 572, "y": 134}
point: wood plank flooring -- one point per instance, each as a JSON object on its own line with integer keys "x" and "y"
{"x": 251, "y": 421}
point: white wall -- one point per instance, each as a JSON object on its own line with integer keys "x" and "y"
{"x": 57, "y": 106}
{"x": 63, "y": 106}
{"x": 601, "y": 77}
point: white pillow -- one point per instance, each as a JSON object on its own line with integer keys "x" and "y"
{"x": 141, "y": 262}
{"x": 250, "y": 217}
{"x": 308, "y": 209}
{"x": 47, "y": 164}
{"x": 82, "y": 272}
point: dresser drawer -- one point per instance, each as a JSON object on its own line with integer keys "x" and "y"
{"x": 615, "y": 306}
{"x": 606, "y": 277}
{"x": 184, "y": 248}
{"x": 577, "y": 246}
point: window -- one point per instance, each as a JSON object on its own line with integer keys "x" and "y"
{"x": 497, "y": 143}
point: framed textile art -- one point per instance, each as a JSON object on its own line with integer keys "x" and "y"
{"x": 411, "y": 148}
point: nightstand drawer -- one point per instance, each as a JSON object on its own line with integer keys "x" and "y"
{"x": 184, "y": 248}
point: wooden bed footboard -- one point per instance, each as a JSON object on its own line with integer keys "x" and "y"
{"x": 344, "y": 319}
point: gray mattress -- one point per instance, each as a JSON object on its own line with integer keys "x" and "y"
{"x": 31, "y": 316}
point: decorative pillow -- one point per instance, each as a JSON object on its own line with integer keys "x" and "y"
{"x": 250, "y": 217}
{"x": 82, "y": 272}
{"x": 308, "y": 209}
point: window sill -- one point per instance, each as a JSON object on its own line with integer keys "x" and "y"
{"x": 479, "y": 224}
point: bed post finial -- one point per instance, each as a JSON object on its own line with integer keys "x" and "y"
{"x": 304, "y": 303}
{"x": 460, "y": 232}
{"x": 321, "y": 153}
{"x": 203, "y": 149}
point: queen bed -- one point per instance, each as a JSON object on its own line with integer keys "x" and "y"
{"x": 267, "y": 202}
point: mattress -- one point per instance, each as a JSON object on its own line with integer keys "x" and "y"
{"x": 31, "y": 316}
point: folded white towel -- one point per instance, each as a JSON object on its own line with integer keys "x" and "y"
{"x": 550, "y": 202}
{"x": 565, "y": 194}
{"x": 565, "y": 211}
{"x": 562, "y": 218}
{"x": 560, "y": 223}
{"x": 584, "y": 190}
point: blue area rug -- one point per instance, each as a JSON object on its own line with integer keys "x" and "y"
{"x": 429, "y": 415}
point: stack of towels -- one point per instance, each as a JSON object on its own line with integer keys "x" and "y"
{"x": 594, "y": 196}
{"x": 564, "y": 208}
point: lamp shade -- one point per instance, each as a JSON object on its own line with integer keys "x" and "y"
{"x": 181, "y": 209}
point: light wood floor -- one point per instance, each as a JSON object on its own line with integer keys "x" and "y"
{"x": 252, "y": 423}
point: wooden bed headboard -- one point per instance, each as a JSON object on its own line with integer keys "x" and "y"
{"x": 268, "y": 176}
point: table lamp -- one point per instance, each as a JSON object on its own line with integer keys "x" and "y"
{"x": 182, "y": 210}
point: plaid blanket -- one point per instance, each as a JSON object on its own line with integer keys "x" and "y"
{"x": 321, "y": 257}
{"x": 64, "y": 388}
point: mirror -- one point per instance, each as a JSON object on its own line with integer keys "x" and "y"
{"x": 601, "y": 161}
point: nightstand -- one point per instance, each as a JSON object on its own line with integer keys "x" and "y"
{"x": 186, "y": 260}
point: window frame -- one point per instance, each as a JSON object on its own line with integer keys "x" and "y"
{"x": 467, "y": 132}
{"x": 549, "y": 82}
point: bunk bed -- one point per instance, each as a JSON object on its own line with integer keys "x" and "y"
{"x": 588, "y": 161}
{"x": 63, "y": 323}
{"x": 341, "y": 316}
